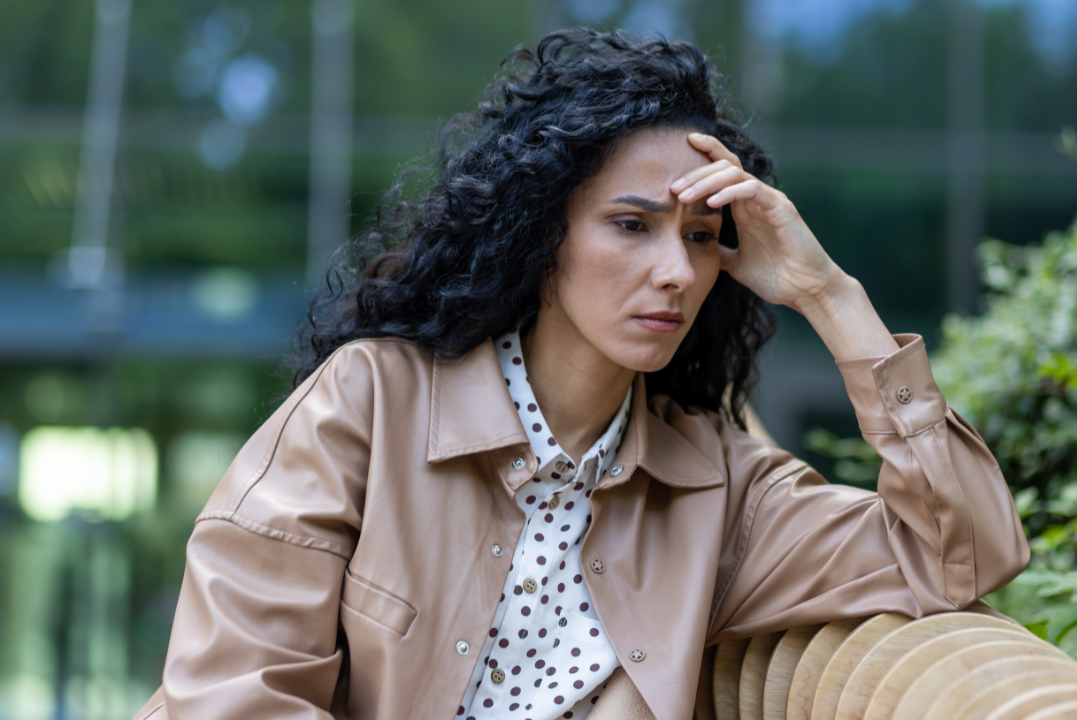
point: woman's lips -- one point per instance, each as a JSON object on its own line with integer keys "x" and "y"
{"x": 666, "y": 322}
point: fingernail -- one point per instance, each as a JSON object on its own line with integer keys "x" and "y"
{"x": 678, "y": 185}
{"x": 697, "y": 136}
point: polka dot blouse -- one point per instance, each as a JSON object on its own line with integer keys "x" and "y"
{"x": 546, "y": 655}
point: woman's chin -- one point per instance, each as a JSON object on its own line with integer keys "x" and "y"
{"x": 644, "y": 357}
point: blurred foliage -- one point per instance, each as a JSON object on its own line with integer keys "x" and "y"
{"x": 857, "y": 463}
{"x": 1013, "y": 371}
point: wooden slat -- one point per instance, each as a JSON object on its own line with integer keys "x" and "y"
{"x": 811, "y": 665}
{"x": 1035, "y": 699}
{"x": 910, "y": 667}
{"x": 957, "y": 694}
{"x": 869, "y": 672}
{"x": 946, "y": 672}
{"x": 847, "y": 657}
{"x": 1063, "y": 711}
{"x": 984, "y": 703}
{"x": 753, "y": 674}
{"x": 783, "y": 663}
{"x": 727, "y": 662}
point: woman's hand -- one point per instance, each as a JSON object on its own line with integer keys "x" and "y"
{"x": 779, "y": 259}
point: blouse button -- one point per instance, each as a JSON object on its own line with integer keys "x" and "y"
{"x": 554, "y": 502}
{"x": 904, "y": 395}
{"x": 463, "y": 648}
{"x": 496, "y": 550}
{"x": 561, "y": 467}
{"x": 498, "y": 676}
{"x": 598, "y": 566}
{"x": 518, "y": 463}
{"x": 530, "y": 585}
{"x": 616, "y": 470}
{"x": 637, "y": 655}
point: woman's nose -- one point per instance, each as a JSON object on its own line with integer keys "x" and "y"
{"x": 673, "y": 268}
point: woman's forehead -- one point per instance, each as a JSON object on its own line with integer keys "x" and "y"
{"x": 648, "y": 160}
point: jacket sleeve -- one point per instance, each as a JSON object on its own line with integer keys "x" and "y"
{"x": 255, "y": 631}
{"x": 941, "y": 531}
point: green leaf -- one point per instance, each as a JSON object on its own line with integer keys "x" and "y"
{"x": 1039, "y": 629}
{"x": 1060, "y": 368}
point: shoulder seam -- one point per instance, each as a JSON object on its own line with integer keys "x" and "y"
{"x": 271, "y": 447}
{"x": 304, "y": 541}
{"x": 293, "y": 402}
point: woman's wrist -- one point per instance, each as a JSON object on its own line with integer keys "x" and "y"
{"x": 846, "y": 321}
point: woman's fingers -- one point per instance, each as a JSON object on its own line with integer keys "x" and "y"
{"x": 713, "y": 147}
{"x": 699, "y": 173}
{"x": 751, "y": 189}
{"x": 712, "y": 183}
{"x": 729, "y": 185}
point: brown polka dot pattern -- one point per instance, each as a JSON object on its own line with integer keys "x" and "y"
{"x": 562, "y": 637}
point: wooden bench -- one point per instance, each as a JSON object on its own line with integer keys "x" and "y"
{"x": 972, "y": 665}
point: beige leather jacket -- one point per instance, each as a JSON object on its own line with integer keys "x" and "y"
{"x": 348, "y": 550}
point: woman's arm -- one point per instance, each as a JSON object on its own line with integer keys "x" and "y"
{"x": 942, "y": 530}
{"x": 255, "y": 633}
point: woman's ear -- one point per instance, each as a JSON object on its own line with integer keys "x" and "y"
{"x": 728, "y": 234}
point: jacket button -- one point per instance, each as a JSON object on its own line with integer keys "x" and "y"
{"x": 530, "y": 585}
{"x": 561, "y": 467}
{"x": 598, "y": 566}
{"x": 496, "y": 550}
{"x": 904, "y": 395}
{"x": 616, "y": 470}
{"x": 463, "y": 648}
{"x": 637, "y": 655}
{"x": 518, "y": 463}
{"x": 554, "y": 502}
{"x": 498, "y": 676}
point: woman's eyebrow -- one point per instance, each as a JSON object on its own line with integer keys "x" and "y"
{"x": 644, "y": 204}
{"x": 655, "y": 206}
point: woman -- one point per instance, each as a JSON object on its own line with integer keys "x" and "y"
{"x": 516, "y": 459}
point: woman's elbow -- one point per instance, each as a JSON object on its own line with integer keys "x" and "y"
{"x": 1007, "y": 554}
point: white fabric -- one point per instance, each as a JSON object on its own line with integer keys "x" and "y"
{"x": 549, "y": 643}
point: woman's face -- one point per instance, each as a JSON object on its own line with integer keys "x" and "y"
{"x": 636, "y": 263}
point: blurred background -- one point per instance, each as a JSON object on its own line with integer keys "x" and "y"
{"x": 173, "y": 177}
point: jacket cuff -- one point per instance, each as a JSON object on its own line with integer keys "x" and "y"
{"x": 896, "y": 392}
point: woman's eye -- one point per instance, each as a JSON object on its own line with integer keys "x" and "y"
{"x": 631, "y": 226}
{"x": 701, "y": 236}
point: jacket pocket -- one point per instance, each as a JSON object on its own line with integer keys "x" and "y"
{"x": 376, "y": 604}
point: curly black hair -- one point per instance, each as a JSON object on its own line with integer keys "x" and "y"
{"x": 468, "y": 257}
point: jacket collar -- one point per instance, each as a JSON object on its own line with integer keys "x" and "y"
{"x": 471, "y": 412}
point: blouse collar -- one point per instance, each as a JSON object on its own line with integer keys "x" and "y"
{"x": 471, "y": 411}
{"x": 546, "y": 448}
